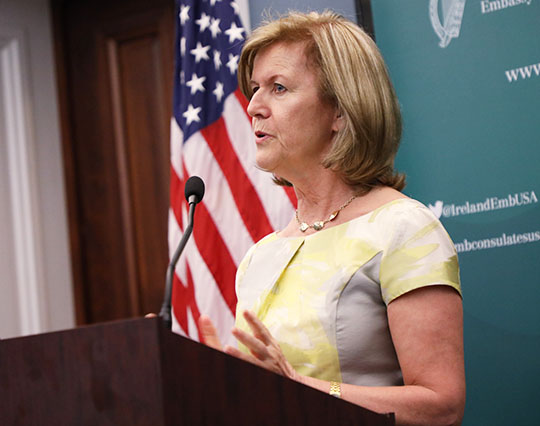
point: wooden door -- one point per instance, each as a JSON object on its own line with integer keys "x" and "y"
{"x": 115, "y": 61}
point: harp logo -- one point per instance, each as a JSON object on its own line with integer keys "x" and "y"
{"x": 451, "y": 12}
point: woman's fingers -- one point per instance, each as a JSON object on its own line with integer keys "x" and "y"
{"x": 265, "y": 352}
{"x": 266, "y": 356}
{"x": 253, "y": 343}
{"x": 231, "y": 350}
{"x": 209, "y": 332}
{"x": 258, "y": 328}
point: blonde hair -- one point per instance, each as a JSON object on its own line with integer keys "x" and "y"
{"x": 353, "y": 77}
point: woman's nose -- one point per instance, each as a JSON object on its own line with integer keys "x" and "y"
{"x": 257, "y": 106}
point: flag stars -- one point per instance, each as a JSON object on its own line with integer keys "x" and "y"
{"x": 183, "y": 46}
{"x": 232, "y": 64}
{"x": 192, "y": 114}
{"x": 214, "y": 27}
{"x": 234, "y": 33}
{"x": 200, "y": 52}
{"x": 235, "y": 7}
{"x": 196, "y": 84}
{"x": 217, "y": 60}
{"x": 218, "y": 91}
{"x": 184, "y": 14}
{"x": 203, "y": 22}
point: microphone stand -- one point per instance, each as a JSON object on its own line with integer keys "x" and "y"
{"x": 165, "y": 312}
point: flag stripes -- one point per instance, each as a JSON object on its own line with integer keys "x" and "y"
{"x": 211, "y": 137}
{"x": 242, "y": 190}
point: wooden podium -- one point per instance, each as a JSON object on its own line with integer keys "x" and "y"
{"x": 136, "y": 372}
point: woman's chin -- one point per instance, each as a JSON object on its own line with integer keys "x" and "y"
{"x": 265, "y": 164}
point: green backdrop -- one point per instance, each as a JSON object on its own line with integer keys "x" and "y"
{"x": 467, "y": 74}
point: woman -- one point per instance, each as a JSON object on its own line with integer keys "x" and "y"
{"x": 359, "y": 295}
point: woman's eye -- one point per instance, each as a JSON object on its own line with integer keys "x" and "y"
{"x": 278, "y": 88}
{"x": 254, "y": 89}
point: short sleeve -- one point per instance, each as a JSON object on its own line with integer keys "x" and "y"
{"x": 418, "y": 253}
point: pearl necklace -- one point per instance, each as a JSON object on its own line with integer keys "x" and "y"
{"x": 318, "y": 225}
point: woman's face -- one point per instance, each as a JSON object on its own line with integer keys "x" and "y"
{"x": 293, "y": 127}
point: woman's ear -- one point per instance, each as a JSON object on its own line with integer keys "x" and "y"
{"x": 339, "y": 121}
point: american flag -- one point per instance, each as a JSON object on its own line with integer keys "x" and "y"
{"x": 211, "y": 137}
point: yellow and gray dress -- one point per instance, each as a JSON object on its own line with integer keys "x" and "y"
{"x": 324, "y": 296}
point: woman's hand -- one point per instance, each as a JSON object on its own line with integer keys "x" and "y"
{"x": 209, "y": 333}
{"x": 265, "y": 351}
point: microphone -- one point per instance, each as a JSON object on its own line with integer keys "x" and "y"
{"x": 194, "y": 192}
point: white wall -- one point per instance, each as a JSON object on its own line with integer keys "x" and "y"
{"x": 35, "y": 271}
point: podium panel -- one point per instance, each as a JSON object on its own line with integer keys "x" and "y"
{"x": 136, "y": 372}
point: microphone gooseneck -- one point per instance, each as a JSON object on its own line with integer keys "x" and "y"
{"x": 194, "y": 192}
